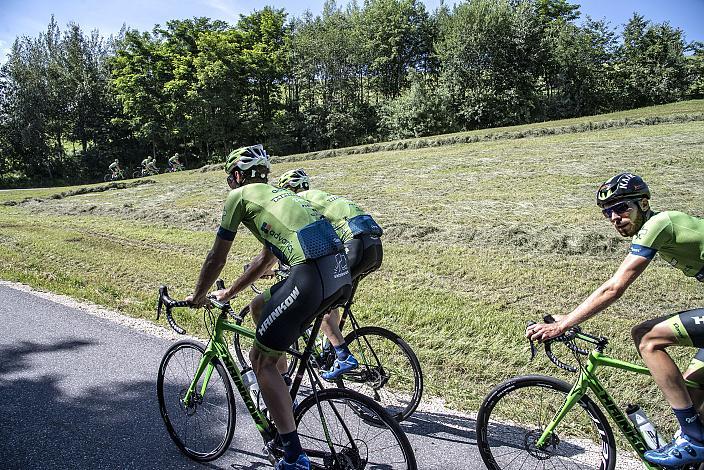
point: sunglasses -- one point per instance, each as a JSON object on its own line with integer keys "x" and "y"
{"x": 619, "y": 208}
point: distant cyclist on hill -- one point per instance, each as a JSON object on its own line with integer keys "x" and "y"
{"x": 291, "y": 230}
{"x": 679, "y": 238}
{"x": 144, "y": 164}
{"x": 174, "y": 163}
{"x": 361, "y": 236}
{"x": 115, "y": 169}
{"x": 151, "y": 166}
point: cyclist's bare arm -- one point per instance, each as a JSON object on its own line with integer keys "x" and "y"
{"x": 212, "y": 267}
{"x": 600, "y": 299}
{"x": 259, "y": 265}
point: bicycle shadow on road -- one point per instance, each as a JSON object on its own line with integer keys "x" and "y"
{"x": 55, "y": 420}
{"x": 442, "y": 426}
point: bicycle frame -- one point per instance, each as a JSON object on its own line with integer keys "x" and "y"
{"x": 588, "y": 381}
{"x": 217, "y": 348}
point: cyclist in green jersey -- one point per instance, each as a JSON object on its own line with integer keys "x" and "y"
{"x": 679, "y": 238}
{"x": 291, "y": 230}
{"x": 360, "y": 234}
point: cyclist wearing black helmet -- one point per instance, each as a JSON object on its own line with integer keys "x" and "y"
{"x": 679, "y": 239}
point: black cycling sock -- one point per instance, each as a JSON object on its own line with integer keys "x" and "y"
{"x": 292, "y": 446}
{"x": 342, "y": 351}
{"x": 690, "y": 424}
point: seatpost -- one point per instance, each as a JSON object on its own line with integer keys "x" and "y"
{"x": 347, "y": 309}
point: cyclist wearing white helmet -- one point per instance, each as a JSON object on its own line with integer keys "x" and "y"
{"x": 679, "y": 238}
{"x": 295, "y": 233}
{"x": 361, "y": 236}
{"x": 115, "y": 168}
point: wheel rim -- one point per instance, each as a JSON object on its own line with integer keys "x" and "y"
{"x": 517, "y": 420}
{"x": 201, "y": 426}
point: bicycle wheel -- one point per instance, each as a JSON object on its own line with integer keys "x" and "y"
{"x": 388, "y": 372}
{"x": 513, "y": 417}
{"x": 136, "y": 174}
{"x": 357, "y": 443}
{"x": 203, "y": 428}
{"x": 107, "y": 178}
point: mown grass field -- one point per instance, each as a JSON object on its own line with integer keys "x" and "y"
{"x": 479, "y": 239}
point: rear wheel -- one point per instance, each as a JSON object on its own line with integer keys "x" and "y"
{"x": 388, "y": 372}
{"x": 358, "y": 441}
{"x": 202, "y": 428}
{"x": 514, "y": 415}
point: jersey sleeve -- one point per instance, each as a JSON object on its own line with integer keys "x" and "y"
{"x": 231, "y": 215}
{"x": 654, "y": 234}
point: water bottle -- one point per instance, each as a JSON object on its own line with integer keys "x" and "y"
{"x": 250, "y": 381}
{"x": 644, "y": 426}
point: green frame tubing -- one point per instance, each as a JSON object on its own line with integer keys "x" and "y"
{"x": 217, "y": 348}
{"x": 588, "y": 380}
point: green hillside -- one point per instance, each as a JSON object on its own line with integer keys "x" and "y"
{"x": 480, "y": 238}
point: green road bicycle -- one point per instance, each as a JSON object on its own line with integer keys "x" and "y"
{"x": 535, "y": 421}
{"x": 389, "y": 371}
{"x": 339, "y": 429}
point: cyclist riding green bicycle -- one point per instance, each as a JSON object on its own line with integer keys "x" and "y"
{"x": 144, "y": 163}
{"x": 291, "y": 230}
{"x": 361, "y": 236}
{"x": 679, "y": 238}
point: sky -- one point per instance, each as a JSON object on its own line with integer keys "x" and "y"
{"x": 30, "y": 17}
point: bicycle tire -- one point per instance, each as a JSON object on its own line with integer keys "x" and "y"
{"x": 358, "y": 442}
{"x": 500, "y": 427}
{"x": 201, "y": 421}
{"x": 107, "y": 178}
{"x": 136, "y": 174}
{"x": 389, "y": 371}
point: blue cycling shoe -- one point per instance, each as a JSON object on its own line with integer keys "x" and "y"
{"x": 682, "y": 451}
{"x": 340, "y": 367}
{"x": 302, "y": 463}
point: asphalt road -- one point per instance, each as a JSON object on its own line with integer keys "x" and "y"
{"x": 78, "y": 391}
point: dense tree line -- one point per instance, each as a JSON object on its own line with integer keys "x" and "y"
{"x": 70, "y": 102}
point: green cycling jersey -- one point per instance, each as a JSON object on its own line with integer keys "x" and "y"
{"x": 286, "y": 224}
{"x": 337, "y": 209}
{"x": 678, "y": 237}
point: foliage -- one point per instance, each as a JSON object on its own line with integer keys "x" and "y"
{"x": 357, "y": 74}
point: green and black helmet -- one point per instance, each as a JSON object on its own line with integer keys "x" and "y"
{"x": 245, "y": 158}
{"x": 294, "y": 179}
{"x": 621, "y": 186}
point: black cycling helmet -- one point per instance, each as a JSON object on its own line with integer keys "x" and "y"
{"x": 621, "y": 186}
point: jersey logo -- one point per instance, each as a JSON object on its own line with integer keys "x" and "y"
{"x": 641, "y": 234}
{"x": 278, "y": 311}
{"x": 341, "y": 268}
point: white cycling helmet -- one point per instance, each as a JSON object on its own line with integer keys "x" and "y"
{"x": 294, "y": 179}
{"x": 245, "y": 158}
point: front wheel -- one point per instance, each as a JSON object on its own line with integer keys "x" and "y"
{"x": 136, "y": 174}
{"x": 388, "y": 372}
{"x": 107, "y": 177}
{"x": 514, "y": 415}
{"x": 201, "y": 426}
{"x": 339, "y": 435}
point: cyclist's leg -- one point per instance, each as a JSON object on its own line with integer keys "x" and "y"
{"x": 255, "y": 308}
{"x": 652, "y": 338}
{"x": 695, "y": 373}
